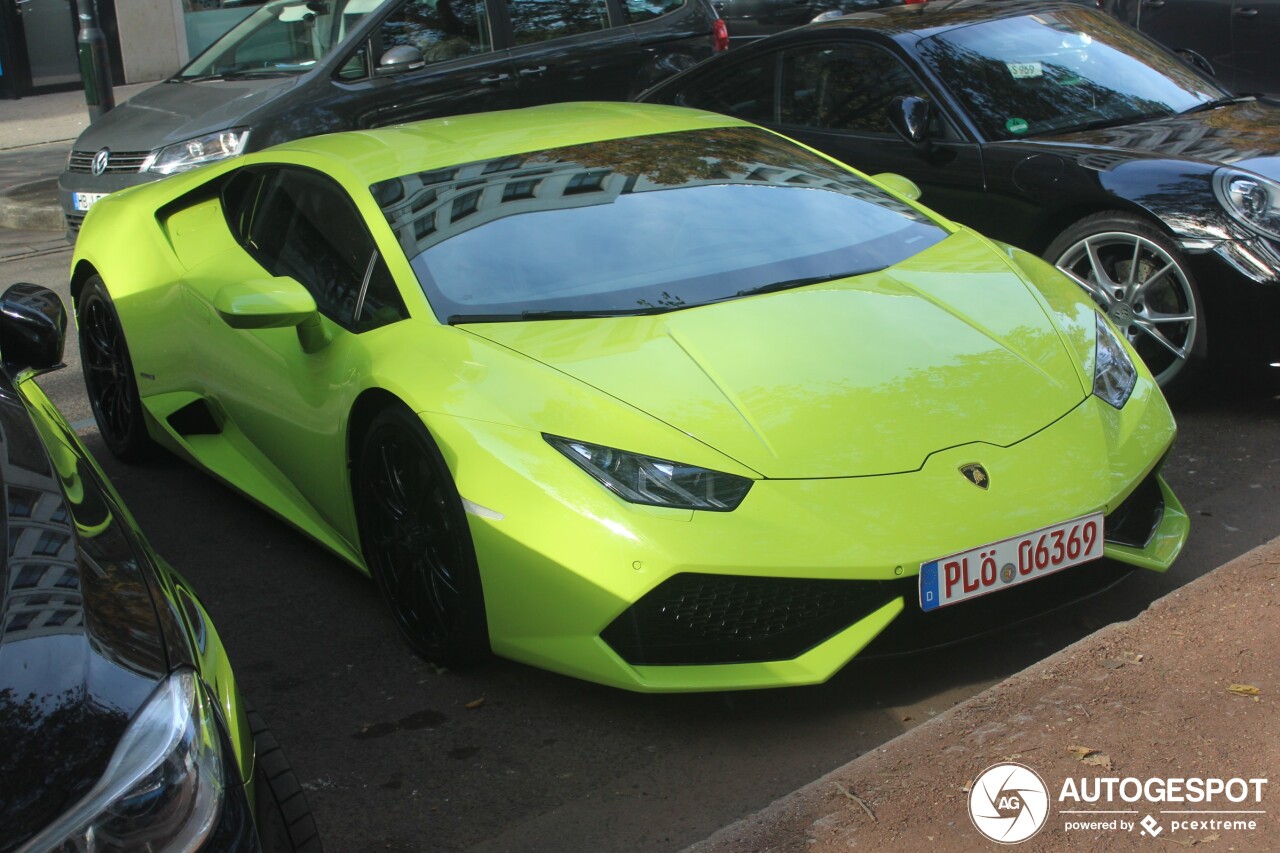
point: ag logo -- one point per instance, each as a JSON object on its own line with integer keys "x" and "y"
{"x": 100, "y": 161}
{"x": 1009, "y": 803}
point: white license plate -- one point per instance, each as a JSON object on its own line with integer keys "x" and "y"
{"x": 84, "y": 201}
{"x": 1009, "y": 562}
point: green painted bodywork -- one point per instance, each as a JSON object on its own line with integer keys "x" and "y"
{"x": 851, "y": 403}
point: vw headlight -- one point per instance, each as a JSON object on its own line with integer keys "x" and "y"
{"x": 655, "y": 482}
{"x": 182, "y": 156}
{"x": 163, "y": 789}
{"x": 1113, "y": 372}
{"x": 1250, "y": 198}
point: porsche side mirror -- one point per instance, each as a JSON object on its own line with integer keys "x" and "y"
{"x": 272, "y": 303}
{"x": 33, "y": 328}
{"x": 1192, "y": 58}
{"x": 399, "y": 59}
{"x": 900, "y": 184}
{"x": 910, "y": 117}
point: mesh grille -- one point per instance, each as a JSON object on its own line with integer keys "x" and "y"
{"x": 118, "y": 162}
{"x": 1134, "y": 522}
{"x": 708, "y": 619}
{"x": 74, "y": 221}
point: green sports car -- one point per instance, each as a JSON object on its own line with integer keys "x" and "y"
{"x": 642, "y": 395}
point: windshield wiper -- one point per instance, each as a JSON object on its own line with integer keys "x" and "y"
{"x": 802, "y": 282}
{"x": 1218, "y": 102}
{"x": 559, "y": 314}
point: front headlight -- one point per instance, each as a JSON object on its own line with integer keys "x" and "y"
{"x": 163, "y": 789}
{"x": 1250, "y": 198}
{"x": 203, "y": 149}
{"x": 1113, "y": 372}
{"x": 655, "y": 482}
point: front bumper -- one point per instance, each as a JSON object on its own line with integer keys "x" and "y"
{"x": 562, "y": 560}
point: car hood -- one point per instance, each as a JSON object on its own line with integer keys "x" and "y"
{"x": 171, "y": 112}
{"x": 862, "y": 376}
{"x": 81, "y": 649}
{"x": 1245, "y": 135}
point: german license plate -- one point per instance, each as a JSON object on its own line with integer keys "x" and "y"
{"x": 84, "y": 201}
{"x": 1009, "y": 562}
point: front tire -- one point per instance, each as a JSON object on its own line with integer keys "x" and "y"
{"x": 108, "y": 375}
{"x": 1142, "y": 281}
{"x": 416, "y": 541}
{"x": 281, "y": 812}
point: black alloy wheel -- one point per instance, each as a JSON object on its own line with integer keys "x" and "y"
{"x": 108, "y": 375}
{"x": 1140, "y": 279}
{"x": 416, "y": 541}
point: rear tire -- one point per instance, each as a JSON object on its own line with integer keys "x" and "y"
{"x": 108, "y": 376}
{"x": 284, "y": 820}
{"x": 1141, "y": 280}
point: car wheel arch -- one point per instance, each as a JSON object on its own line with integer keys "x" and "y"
{"x": 84, "y": 270}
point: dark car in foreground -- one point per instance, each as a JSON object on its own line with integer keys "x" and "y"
{"x": 296, "y": 68}
{"x": 121, "y": 727}
{"x": 1235, "y": 38}
{"x": 1057, "y": 129}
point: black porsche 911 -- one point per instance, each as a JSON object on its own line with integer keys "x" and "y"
{"x": 121, "y": 727}
{"x": 1053, "y": 127}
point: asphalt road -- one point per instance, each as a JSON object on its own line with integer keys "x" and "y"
{"x": 397, "y": 755}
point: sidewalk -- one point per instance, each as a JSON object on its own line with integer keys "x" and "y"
{"x": 1168, "y": 694}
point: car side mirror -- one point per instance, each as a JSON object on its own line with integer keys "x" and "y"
{"x": 33, "y": 328}
{"x": 910, "y": 117}
{"x": 1192, "y": 58}
{"x": 272, "y": 303}
{"x": 399, "y": 59}
{"x": 900, "y": 184}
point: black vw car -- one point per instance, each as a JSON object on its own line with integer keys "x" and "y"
{"x": 121, "y": 727}
{"x": 296, "y": 68}
{"x": 1053, "y": 127}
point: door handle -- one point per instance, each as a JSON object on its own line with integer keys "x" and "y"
{"x": 532, "y": 72}
{"x": 495, "y": 79}
{"x": 1246, "y": 13}
{"x": 1153, "y": 4}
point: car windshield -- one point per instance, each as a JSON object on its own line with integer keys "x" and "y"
{"x": 1052, "y": 72}
{"x": 642, "y": 225}
{"x": 281, "y": 37}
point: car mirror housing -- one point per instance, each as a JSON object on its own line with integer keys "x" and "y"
{"x": 910, "y": 118}
{"x": 397, "y": 60}
{"x": 273, "y": 303}
{"x": 900, "y": 184}
{"x": 33, "y": 327}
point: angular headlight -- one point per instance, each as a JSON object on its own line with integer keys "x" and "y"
{"x": 1113, "y": 372}
{"x": 203, "y": 149}
{"x": 1250, "y": 198}
{"x": 655, "y": 482}
{"x": 163, "y": 789}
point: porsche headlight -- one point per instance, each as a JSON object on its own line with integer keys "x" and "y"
{"x": 1113, "y": 372}
{"x": 203, "y": 149}
{"x": 1250, "y": 198}
{"x": 655, "y": 482}
{"x": 162, "y": 790}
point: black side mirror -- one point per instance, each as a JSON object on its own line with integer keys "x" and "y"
{"x": 401, "y": 58}
{"x": 1192, "y": 58}
{"x": 33, "y": 328}
{"x": 910, "y": 117}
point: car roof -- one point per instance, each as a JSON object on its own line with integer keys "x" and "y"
{"x": 922, "y": 20}
{"x": 376, "y": 155}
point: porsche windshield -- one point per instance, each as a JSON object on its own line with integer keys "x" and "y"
{"x": 281, "y": 37}
{"x": 1051, "y": 72}
{"x": 642, "y": 225}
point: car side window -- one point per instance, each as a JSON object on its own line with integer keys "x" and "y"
{"x": 299, "y": 223}
{"x": 646, "y": 10}
{"x": 842, "y": 87}
{"x": 440, "y": 29}
{"x": 745, "y": 90}
{"x": 538, "y": 20}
